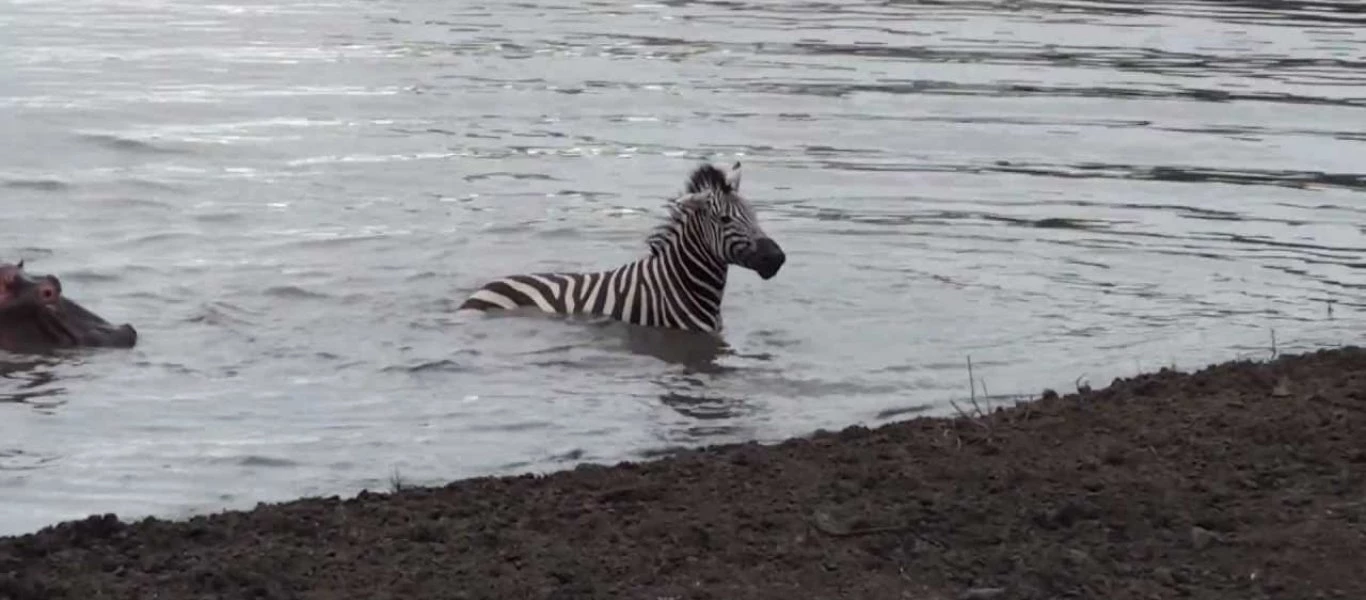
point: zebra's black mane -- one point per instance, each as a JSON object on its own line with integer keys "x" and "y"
{"x": 704, "y": 178}
{"x": 666, "y": 233}
{"x": 708, "y": 177}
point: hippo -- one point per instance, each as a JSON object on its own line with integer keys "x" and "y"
{"x": 35, "y": 316}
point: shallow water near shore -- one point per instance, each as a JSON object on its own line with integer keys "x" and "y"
{"x": 288, "y": 200}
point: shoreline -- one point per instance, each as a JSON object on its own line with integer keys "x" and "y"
{"x": 1243, "y": 479}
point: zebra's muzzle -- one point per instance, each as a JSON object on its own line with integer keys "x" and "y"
{"x": 767, "y": 258}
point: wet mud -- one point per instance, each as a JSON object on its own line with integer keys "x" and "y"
{"x": 1242, "y": 480}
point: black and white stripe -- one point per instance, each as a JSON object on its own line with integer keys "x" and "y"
{"x": 679, "y": 285}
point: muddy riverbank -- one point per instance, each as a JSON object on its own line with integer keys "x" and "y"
{"x": 1242, "y": 480}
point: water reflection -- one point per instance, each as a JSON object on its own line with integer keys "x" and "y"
{"x": 696, "y": 387}
{"x": 695, "y": 351}
{"x": 701, "y": 406}
{"x": 708, "y": 414}
{"x": 30, "y": 378}
{"x": 1332, "y": 13}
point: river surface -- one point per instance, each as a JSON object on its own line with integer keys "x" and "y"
{"x": 288, "y": 199}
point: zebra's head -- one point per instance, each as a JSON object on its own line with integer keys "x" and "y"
{"x": 714, "y": 218}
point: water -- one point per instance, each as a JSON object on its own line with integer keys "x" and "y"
{"x": 288, "y": 199}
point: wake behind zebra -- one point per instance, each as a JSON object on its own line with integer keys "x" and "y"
{"x": 678, "y": 285}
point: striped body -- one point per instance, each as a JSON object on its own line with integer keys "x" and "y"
{"x": 678, "y": 286}
{"x": 659, "y": 291}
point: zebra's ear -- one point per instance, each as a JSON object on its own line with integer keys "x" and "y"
{"x": 733, "y": 179}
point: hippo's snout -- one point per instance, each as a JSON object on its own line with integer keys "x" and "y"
{"x": 123, "y": 337}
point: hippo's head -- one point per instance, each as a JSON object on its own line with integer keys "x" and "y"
{"x": 34, "y": 315}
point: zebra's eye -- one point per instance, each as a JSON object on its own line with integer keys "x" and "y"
{"x": 725, "y": 219}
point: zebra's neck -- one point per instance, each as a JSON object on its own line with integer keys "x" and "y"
{"x": 699, "y": 280}
{"x": 675, "y": 287}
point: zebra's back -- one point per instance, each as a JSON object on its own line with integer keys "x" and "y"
{"x": 640, "y": 293}
{"x": 565, "y": 293}
{"x": 540, "y": 290}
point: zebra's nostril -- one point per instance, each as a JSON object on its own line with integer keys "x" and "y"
{"x": 767, "y": 249}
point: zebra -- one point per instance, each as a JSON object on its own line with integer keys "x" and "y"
{"x": 678, "y": 285}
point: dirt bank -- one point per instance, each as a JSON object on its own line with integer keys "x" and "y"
{"x": 1240, "y": 481}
